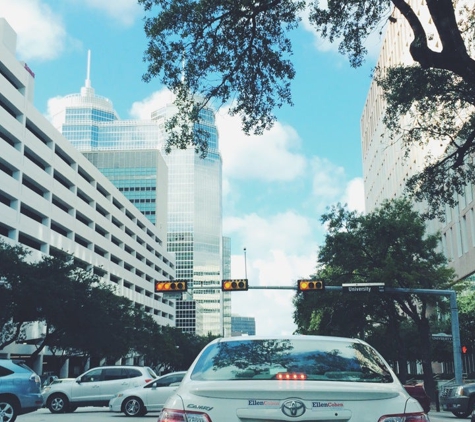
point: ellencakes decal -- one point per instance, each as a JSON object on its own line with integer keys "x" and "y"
{"x": 326, "y": 404}
{"x": 263, "y": 403}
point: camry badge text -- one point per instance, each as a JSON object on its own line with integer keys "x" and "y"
{"x": 196, "y": 406}
{"x": 294, "y": 408}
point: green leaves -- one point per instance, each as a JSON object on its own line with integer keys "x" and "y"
{"x": 349, "y": 22}
{"x": 219, "y": 52}
{"x": 431, "y": 110}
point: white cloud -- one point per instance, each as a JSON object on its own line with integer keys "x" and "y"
{"x": 328, "y": 183}
{"x": 280, "y": 249}
{"x": 142, "y": 110}
{"x": 40, "y": 31}
{"x": 354, "y": 195}
{"x": 286, "y": 231}
{"x": 273, "y": 156}
{"x": 327, "y": 178}
{"x": 54, "y": 106}
{"x": 125, "y": 12}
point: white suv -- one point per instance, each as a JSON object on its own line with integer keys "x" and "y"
{"x": 94, "y": 388}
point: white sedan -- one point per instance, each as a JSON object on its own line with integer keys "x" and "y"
{"x": 292, "y": 378}
{"x": 150, "y": 397}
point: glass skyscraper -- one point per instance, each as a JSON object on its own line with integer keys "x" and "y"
{"x": 131, "y": 154}
{"x": 195, "y": 207}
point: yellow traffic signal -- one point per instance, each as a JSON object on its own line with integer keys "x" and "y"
{"x": 231, "y": 285}
{"x": 307, "y": 285}
{"x": 171, "y": 286}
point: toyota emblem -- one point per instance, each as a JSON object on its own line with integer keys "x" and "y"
{"x": 293, "y": 408}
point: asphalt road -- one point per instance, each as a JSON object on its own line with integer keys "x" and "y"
{"x": 97, "y": 414}
{"x": 85, "y": 414}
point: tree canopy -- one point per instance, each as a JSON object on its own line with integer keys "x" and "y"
{"x": 239, "y": 53}
{"x": 390, "y": 246}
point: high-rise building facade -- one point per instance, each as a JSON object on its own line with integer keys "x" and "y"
{"x": 53, "y": 200}
{"x": 243, "y": 325}
{"x": 194, "y": 221}
{"x": 131, "y": 154}
{"x": 386, "y": 169}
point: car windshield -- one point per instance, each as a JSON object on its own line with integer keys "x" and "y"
{"x": 326, "y": 360}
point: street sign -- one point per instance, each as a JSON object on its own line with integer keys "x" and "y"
{"x": 363, "y": 287}
{"x": 442, "y": 337}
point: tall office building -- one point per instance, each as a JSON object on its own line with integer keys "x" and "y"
{"x": 386, "y": 170}
{"x": 194, "y": 221}
{"x": 52, "y": 199}
{"x": 243, "y": 325}
{"x": 131, "y": 154}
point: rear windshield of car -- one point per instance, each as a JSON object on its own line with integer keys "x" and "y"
{"x": 151, "y": 372}
{"x": 274, "y": 359}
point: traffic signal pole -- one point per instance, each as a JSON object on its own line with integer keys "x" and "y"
{"x": 454, "y": 316}
{"x": 454, "y": 319}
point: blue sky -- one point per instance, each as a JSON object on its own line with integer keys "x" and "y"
{"x": 275, "y": 186}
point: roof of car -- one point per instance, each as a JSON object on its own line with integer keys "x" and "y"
{"x": 118, "y": 366}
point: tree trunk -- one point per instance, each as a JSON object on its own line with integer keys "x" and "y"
{"x": 425, "y": 336}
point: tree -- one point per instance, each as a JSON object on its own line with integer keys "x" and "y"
{"x": 82, "y": 316}
{"x": 13, "y": 268}
{"x": 466, "y": 307}
{"x": 239, "y": 52}
{"x": 170, "y": 349}
{"x": 389, "y": 245}
{"x": 79, "y": 314}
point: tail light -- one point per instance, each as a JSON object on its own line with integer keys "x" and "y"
{"x": 147, "y": 380}
{"x": 405, "y": 417}
{"x": 172, "y": 415}
{"x": 291, "y": 376}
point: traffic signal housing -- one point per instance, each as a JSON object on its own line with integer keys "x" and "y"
{"x": 171, "y": 286}
{"x": 234, "y": 285}
{"x": 310, "y": 285}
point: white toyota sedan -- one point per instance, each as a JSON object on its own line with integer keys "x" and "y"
{"x": 150, "y": 397}
{"x": 292, "y": 378}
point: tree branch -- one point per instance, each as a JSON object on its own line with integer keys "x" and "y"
{"x": 454, "y": 56}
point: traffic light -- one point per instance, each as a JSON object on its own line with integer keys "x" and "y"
{"x": 171, "y": 286}
{"x": 232, "y": 285}
{"x": 466, "y": 349}
{"x": 308, "y": 285}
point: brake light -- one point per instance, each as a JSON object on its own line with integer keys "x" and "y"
{"x": 172, "y": 415}
{"x": 148, "y": 380}
{"x": 291, "y": 376}
{"x": 405, "y": 417}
